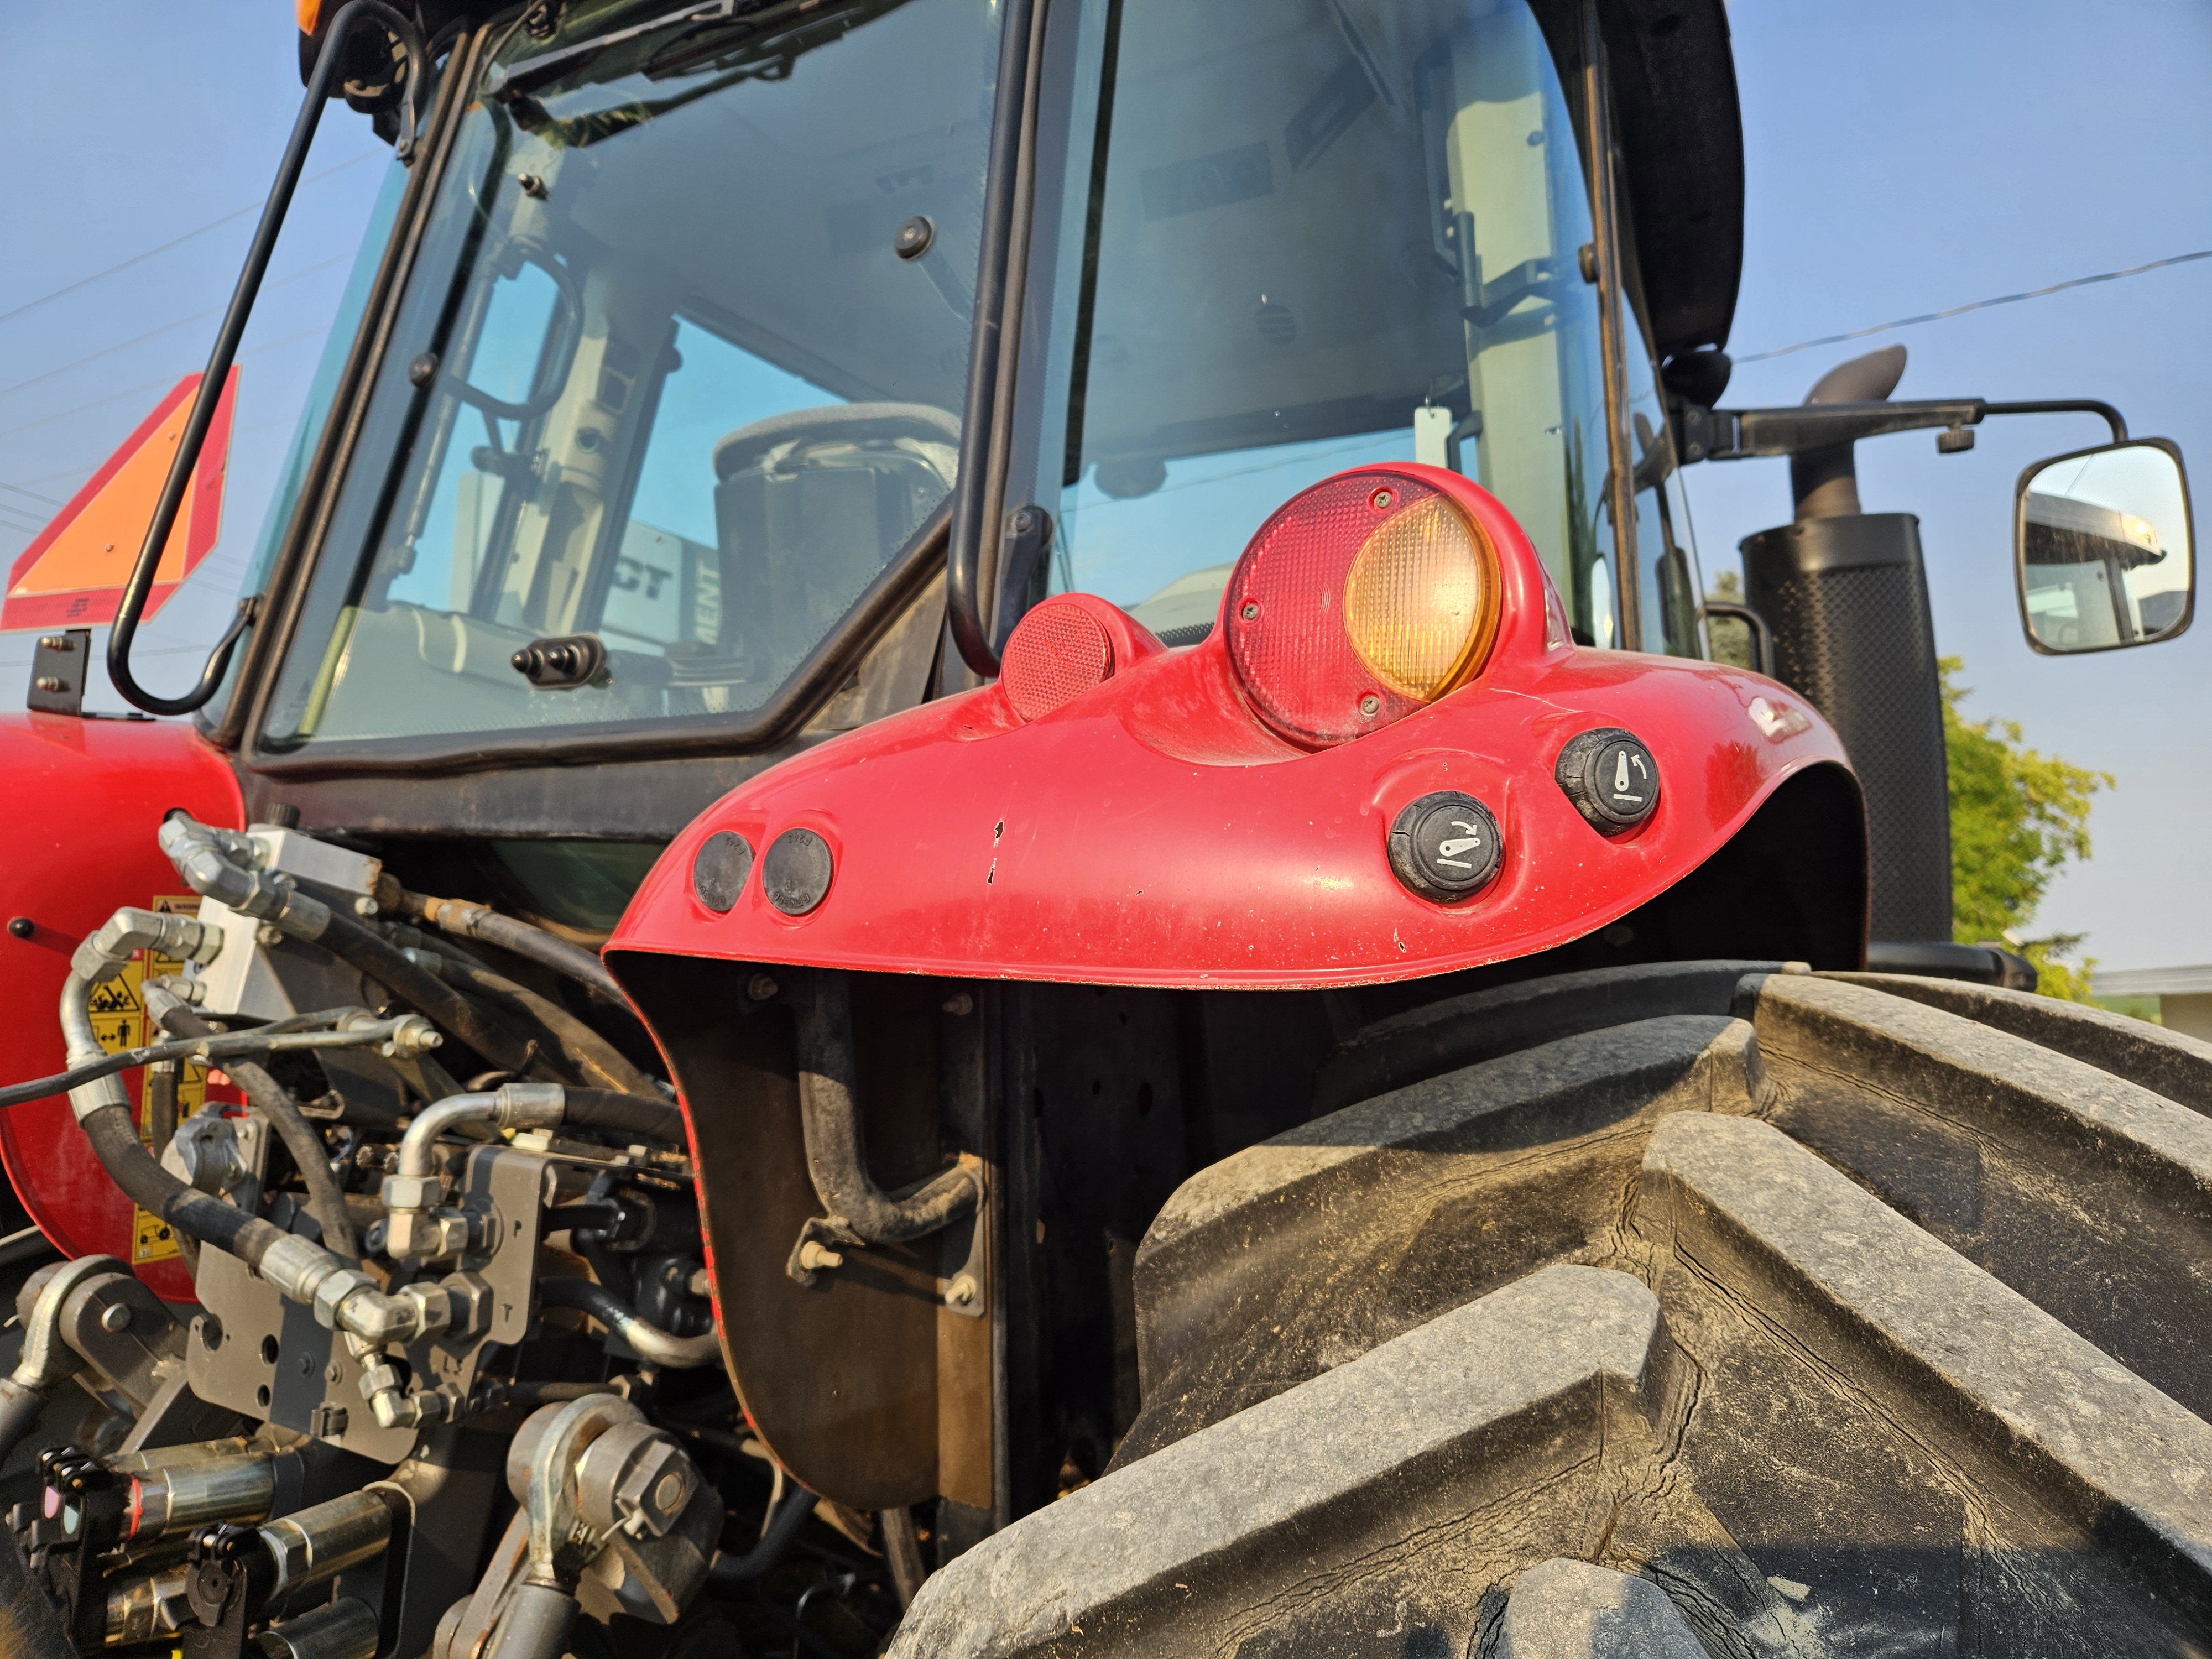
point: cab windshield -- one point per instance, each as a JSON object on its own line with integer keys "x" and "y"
{"x": 680, "y": 364}
{"x": 1302, "y": 235}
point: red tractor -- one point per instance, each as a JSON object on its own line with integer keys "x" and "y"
{"x": 968, "y": 879}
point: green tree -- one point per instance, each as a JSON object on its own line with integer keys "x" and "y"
{"x": 1731, "y": 638}
{"x": 2016, "y": 818}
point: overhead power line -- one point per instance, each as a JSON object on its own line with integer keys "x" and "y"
{"x": 154, "y": 334}
{"x": 1978, "y": 305}
{"x": 212, "y": 224}
{"x": 98, "y": 402}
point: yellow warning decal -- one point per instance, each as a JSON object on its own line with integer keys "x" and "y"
{"x": 119, "y": 1020}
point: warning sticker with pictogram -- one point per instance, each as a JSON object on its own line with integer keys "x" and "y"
{"x": 119, "y": 1016}
{"x": 119, "y": 1021}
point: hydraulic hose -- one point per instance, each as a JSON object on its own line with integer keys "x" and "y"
{"x": 343, "y": 1297}
{"x": 604, "y": 1064}
{"x": 517, "y": 1106}
{"x": 115, "y": 1143}
{"x": 389, "y": 966}
{"x": 836, "y": 1156}
{"x": 475, "y": 921}
{"x": 326, "y": 1198}
{"x": 225, "y": 1047}
{"x": 535, "y": 1623}
{"x": 650, "y": 1342}
{"x": 648, "y": 1118}
{"x": 216, "y": 863}
{"x": 729, "y": 1571}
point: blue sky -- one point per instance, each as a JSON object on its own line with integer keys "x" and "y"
{"x": 1902, "y": 158}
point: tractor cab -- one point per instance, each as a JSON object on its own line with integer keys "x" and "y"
{"x": 676, "y": 363}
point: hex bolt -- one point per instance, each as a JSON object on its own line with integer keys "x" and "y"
{"x": 761, "y": 988}
{"x": 669, "y": 1492}
{"x": 532, "y": 185}
{"x": 364, "y": 904}
{"x": 962, "y": 1291}
{"x": 815, "y": 1257}
{"x": 914, "y": 238}
{"x": 50, "y": 683}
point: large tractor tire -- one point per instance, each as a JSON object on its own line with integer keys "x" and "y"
{"x": 1693, "y": 1309}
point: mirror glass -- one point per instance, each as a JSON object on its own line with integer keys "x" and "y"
{"x": 2105, "y": 557}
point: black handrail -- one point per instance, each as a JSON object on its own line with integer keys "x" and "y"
{"x": 208, "y": 394}
{"x": 963, "y": 598}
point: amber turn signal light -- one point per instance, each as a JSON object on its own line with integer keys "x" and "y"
{"x": 1361, "y": 600}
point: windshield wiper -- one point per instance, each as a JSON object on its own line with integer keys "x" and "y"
{"x": 506, "y": 82}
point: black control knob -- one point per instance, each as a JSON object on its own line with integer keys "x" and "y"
{"x": 720, "y": 868}
{"x": 796, "y": 874}
{"x": 1611, "y": 778}
{"x": 1445, "y": 847}
{"x": 561, "y": 663}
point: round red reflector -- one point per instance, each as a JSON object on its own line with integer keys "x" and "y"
{"x": 1361, "y": 600}
{"x": 1058, "y": 652}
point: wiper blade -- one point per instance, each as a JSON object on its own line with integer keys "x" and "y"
{"x": 772, "y": 29}
{"x": 506, "y": 82}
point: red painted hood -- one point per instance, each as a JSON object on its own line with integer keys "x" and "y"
{"x": 85, "y": 798}
{"x": 1151, "y": 832}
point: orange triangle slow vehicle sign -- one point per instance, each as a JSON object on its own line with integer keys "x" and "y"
{"x": 72, "y": 575}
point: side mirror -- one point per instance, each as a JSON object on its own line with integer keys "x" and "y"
{"x": 2104, "y": 548}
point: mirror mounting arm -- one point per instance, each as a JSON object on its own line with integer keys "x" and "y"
{"x": 1737, "y": 435}
{"x": 2103, "y": 411}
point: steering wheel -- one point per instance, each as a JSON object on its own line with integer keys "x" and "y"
{"x": 855, "y": 422}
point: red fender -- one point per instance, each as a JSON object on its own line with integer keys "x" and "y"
{"x": 86, "y": 798}
{"x": 1152, "y": 831}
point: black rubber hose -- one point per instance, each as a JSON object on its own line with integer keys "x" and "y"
{"x": 534, "y": 1624}
{"x": 326, "y": 1198}
{"x": 836, "y": 1155}
{"x": 592, "y": 1247}
{"x": 162, "y": 1104}
{"x": 646, "y": 1116}
{"x": 115, "y": 1143}
{"x": 475, "y": 921}
{"x": 602, "y": 1064}
{"x": 651, "y": 1342}
{"x": 790, "y": 1516}
{"x": 387, "y": 964}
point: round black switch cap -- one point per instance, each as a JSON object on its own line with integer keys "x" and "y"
{"x": 1445, "y": 846}
{"x": 720, "y": 868}
{"x": 21, "y": 926}
{"x": 795, "y": 874}
{"x": 1611, "y": 779}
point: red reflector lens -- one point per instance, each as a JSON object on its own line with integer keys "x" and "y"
{"x": 1364, "y": 600}
{"x": 1058, "y": 652}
